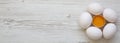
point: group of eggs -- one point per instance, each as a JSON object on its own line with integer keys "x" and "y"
{"x": 98, "y": 22}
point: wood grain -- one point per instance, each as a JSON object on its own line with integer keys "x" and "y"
{"x": 48, "y": 21}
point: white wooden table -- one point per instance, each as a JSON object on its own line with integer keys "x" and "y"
{"x": 48, "y": 21}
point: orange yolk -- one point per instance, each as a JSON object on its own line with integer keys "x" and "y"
{"x": 98, "y": 21}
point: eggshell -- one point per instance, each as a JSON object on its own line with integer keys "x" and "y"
{"x": 95, "y": 8}
{"x": 85, "y": 20}
{"x": 94, "y": 33}
{"x": 109, "y": 30}
{"x": 110, "y": 15}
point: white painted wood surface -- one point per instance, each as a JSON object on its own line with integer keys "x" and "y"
{"x": 48, "y": 21}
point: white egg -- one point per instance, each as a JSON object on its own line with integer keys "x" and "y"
{"x": 110, "y": 15}
{"x": 85, "y": 20}
{"x": 109, "y": 30}
{"x": 95, "y": 8}
{"x": 94, "y": 33}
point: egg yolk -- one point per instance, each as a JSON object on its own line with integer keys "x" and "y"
{"x": 98, "y": 21}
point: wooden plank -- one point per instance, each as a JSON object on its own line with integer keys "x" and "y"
{"x": 47, "y": 21}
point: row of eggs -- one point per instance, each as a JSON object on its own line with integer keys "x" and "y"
{"x": 98, "y": 22}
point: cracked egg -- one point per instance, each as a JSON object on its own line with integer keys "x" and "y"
{"x": 98, "y": 22}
